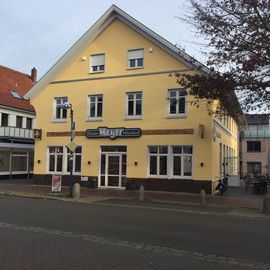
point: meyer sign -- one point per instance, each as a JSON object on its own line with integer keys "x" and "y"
{"x": 112, "y": 133}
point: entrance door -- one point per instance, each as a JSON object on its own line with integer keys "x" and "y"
{"x": 113, "y": 170}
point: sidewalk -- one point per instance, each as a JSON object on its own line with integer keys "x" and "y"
{"x": 234, "y": 202}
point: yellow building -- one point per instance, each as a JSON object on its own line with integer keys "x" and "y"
{"x": 133, "y": 123}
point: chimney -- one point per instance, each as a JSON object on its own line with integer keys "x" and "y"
{"x": 34, "y": 75}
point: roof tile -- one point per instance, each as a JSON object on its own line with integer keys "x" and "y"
{"x": 12, "y": 80}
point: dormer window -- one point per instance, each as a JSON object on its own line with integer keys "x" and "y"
{"x": 15, "y": 94}
{"x": 97, "y": 62}
{"x": 135, "y": 58}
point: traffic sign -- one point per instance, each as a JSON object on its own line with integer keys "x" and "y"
{"x": 72, "y": 146}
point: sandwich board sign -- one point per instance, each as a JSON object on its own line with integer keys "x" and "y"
{"x": 56, "y": 183}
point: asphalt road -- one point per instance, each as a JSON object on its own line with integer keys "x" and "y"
{"x": 42, "y": 234}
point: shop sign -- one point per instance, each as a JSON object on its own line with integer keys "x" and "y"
{"x": 56, "y": 183}
{"x": 113, "y": 133}
{"x": 37, "y": 133}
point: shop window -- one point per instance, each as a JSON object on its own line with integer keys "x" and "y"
{"x": 77, "y": 160}
{"x": 19, "y": 162}
{"x": 170, "y": 161}
{"x": 134, "y": 105}
{"x": 4, "y": 161}
{"x": 182, "y": 160}
{"x": 4, "y": 120}
{"x": 254, "y": 168}
{"x": 135, "y": 58}
{"x": 31, "y": 161}
{"x": 176, "y": 102}
{"x": 60, "y": 113}
{"x": 95, "y": 107}
{"x": 158, "y": 160}
{"x": 97, "y": 62}
{"x": 55, "y": 158}
{"x": 254, "y": 146}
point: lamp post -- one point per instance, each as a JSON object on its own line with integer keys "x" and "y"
{"x": 67, "y": 105}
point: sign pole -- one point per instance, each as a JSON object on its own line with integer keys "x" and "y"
{"x": 72, "y": 136}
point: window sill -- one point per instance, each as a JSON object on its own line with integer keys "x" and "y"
{"x": 132, "y": 68}
{"x": 59, "y": 120}
{"x": 176, "y": 116}
{"x": 94, "y": 120}
{"x": 96, "y": 72}
{"x": 127, "y": 118}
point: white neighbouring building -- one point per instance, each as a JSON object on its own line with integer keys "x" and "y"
{"x": 17, "y": 120}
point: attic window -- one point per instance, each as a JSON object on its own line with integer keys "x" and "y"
{"x": 15, "y": 94}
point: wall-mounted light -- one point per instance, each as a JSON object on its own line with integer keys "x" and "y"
{"x": 135, "y": 163}
{"x": 89, "y": 162}
{"x": 83, "y": 58}
{"x": 38, "y": 161}
{"x": 201, "y": 130}
{"x": 202, "y": 164}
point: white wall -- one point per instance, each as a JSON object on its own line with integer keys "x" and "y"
{"x": 12, "y": 117}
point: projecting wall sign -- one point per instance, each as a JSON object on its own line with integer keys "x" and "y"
{"x": 113, "y": 133}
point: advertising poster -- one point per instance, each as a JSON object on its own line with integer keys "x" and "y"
{"x": 56, "y": 183}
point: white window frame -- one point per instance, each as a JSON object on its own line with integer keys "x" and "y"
{"x": 158, "y": 155}
{"x": 182, "y": 155}
{"x": 61, "y": 119}
{"x": 170, "y": 156}
{"x": 74, "y": 158}
{"x": 64, "y": 161}
{"x": 136, "y": 59}
{"x": 178, "y": 96}
{"x": 95, "y": 118}
{"x": 55, "y": 162}
{"x": 134, "y": 116}
{"x": 99, "y": 70}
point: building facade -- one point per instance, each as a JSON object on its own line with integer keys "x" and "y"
{"x": 255, "y": 145}
{"x": 133, "y": 123}
{"x": 17, "y": 120}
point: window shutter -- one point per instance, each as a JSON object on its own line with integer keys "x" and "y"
{"x": 135, "y": 54}
{"x": 98, "y": 60}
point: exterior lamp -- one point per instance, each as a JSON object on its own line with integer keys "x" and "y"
{"x": 66, "y": 105}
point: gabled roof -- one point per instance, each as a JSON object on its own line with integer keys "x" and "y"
{"x": 116, "y": 13}
{"x": 112, "y": 13}
{"x": 16, "y": 82}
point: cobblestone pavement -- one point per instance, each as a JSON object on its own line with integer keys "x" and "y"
{"x": 26, "y": 247}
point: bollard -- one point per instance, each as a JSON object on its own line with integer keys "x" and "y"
{"x": 76, "y": 191}
{"x": 203, "y": 198}
{"x": 141, "y": 193}
{"x": 266, "y": 205}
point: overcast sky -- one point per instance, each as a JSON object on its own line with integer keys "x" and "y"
{"x": 36, "y": 33}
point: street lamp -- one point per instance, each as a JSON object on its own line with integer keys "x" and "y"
{"x": 66, "y": 105}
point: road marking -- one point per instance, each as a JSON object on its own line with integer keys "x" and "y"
{"x": 141, "y": 246}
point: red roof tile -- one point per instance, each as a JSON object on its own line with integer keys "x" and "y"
{"x": 12, "y": 80}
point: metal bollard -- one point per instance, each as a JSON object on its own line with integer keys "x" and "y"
{"x": 141, "y": 193}
{"x": 266, "y": 205}
{"x": 202, "y": 198}
{"x": 76, "y": 194}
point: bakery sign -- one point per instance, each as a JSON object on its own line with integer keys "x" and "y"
{"x": 113, "y": 133}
